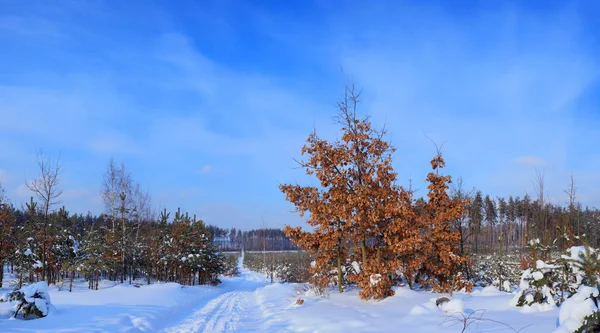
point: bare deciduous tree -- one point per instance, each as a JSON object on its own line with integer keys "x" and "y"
{"x": 462, "y": 224}
{"x": 572, "y": 194}
{"x": 541, "y": 218}
{"x": 46, "y": 189}
{"x": 110, "y": 190}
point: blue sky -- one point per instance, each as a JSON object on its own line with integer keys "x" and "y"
{"x": 208, "y": 102}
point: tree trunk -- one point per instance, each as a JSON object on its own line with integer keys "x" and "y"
{"x": 363, "y": 246}
{"x": 339, "y": 266}
{"x": 71, "y": 281}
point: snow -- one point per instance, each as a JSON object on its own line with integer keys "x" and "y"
{"x": 574, "y": 254}
{"x": 453, "y": 306}
{"x": 575, "y": 251}
{"x": 487, "y": 291}
{"x": 248, "y": 304}
{"x": 575, "y": 309}
{"x": 43, "y": 304}
{"x": 374, "y": 279}
{"x": 506, "y": 286}
{"x": 529, "y": 298}
{"x": 537, "y": 275}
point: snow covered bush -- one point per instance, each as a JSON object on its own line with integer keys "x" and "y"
{"x": 502, "y": 272}
{"x": 284, "y": 266}
{"x": 309, "y": 290}
{"x": 25, "y": 261}
{"x": 31, "y": 300}
{"x": 579, "y": 266}
{"x": 580, "y": 313}
{"x": 537, "y": 285}
{"x": 294, "y": 269}
{"x": 557, "y": 281}
{"x": 584, "y": 263}
{"x": 230, "y": 264}
{"x": 453, "y": 306}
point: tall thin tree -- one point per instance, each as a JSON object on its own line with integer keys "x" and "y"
{"x": 46, "y": 189}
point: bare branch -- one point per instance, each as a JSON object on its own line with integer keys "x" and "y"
{"x": 45, "y": 187}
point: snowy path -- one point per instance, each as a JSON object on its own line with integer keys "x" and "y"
{"x": 236, "y": 310}
{"x": 248, "y": 304}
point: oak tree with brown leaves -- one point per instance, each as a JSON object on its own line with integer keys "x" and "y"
{"x": 440, "y": 259}
{"x": 359, "y": 214}
{"x": 357, "y": 201}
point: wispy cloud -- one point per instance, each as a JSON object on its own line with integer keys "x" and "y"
{"x": 530, "y": 161}
{"x": 505, "y": 89}
{"x": 205, "y": 169}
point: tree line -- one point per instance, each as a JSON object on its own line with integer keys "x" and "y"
{"x": 509, "y": 224}
{"x": 264, "y": 239}
{"x": 127, "y": 243}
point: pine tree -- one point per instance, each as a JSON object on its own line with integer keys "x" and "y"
{"x": 491, "y": 217}
{"x": 476, "y": 217}
{"x": 67, "y": 250}
{"x": 97, "y": 256}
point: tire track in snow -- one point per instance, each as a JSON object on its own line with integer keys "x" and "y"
{"x": 219, "y": 315}
{"x": 223, "y": 314}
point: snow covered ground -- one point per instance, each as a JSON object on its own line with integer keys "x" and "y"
{"x": 248, "y": 304}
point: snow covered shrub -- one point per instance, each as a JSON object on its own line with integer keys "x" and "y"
{"x": 580, "y": 313}
{"x": 3, "y": 297}
{"x": 31, "y": 300}
{"x": 557, "y": 281}
{"x": 230, "y": 264}
{"x": 310, "y": 289}
{"x": 25, "y": 261}
{"x": 585, "y": 264}
{"x": 578, "y": 267}
{"x": 290, "y": 266}
{"x": 452, "y": 306}
{"x": 501, "y": 272}
{"x": 537, "y": 285}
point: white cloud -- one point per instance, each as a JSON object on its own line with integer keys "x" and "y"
{"x": 22, "y": 192}
{"x": 490, "y": 91}
{"x": 205, "y": 169}
{"x": 112, "y": 142}
{"x": 530, "y": 161}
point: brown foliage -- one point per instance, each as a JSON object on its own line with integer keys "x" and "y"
{"x": 359, "y": 213}
{"x": 7, "y": 229}
{"x": 354, "y": 207}
{"x": 440, "y": 261}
